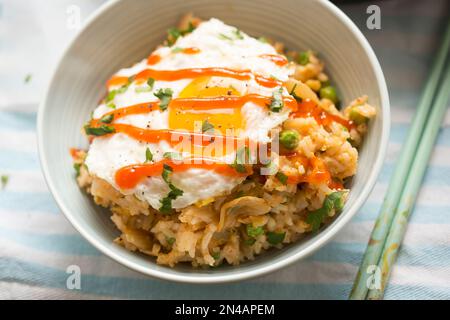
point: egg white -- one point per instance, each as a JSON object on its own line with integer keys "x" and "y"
{"x": 108, "y": 154}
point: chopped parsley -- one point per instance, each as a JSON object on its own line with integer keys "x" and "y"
{"x": 292, "y": 93}
{"x": 239, "y": 162}
{"x": 275, "y": 238}
{"x": 215, "y": 255}
{"x": 27, "y": 78}
{"x": 108, "y": 118}
{"x": 111, "y": 105}
{"x": 166, "y": 203}
{"x": 148, "y": 155}
{"x": 334, "y": 201}
{"x": 175, "y": 33}
{"x": 77, "y": 167}
{"x": 254, "y": 232}
{"x": 142, "y": 89}
{"x": 225, "y": 37}
{"x": 170, "y": 240}
{"x": 112, "y": 94}
{"x": 238, "y": 34}
{"x": 4, "y": 180}
{"x": 277, "y": 102}
{"x": 282, "y": 177}
{"x": 250, "y": 241}
{"x": 206, "y": 126}
{"x": 99, "y": 131}
{"x": 150, "y": 83}
{"x": 164, "y": 96}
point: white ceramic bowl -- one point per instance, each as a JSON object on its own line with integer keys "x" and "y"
{"x": 123, "y": 32}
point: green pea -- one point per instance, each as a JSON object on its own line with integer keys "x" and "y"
{"x": 303, "y": 58}
{"x": 289, "y": 139}
{"x": 329, "y": 93}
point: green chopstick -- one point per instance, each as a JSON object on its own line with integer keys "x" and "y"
{"x": 397, "y": 182}
{"x": 412, "y": 185}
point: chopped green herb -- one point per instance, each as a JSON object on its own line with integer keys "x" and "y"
{"x": 215, "y": 255}
{"x": 166, "y": 203}
{"x": 206, "y": 126}
{"x": 263, "y": 39}
{"x": 151, "y": 82}
{"x": 167, "y": 170}
{"x": 4, "y": 180}
{"x": 176, "y": 49}
{"x": 238, "y": 34}
{"x": 175, "y": 33}
{"x": 77, "y": 167}
{"x": 225, "y": 37}
{"x": 148, "y": 155}
{"x": 292, "y": 93}
{"x": 239, "y": 162}
{"x": 334, "y": 201}
{"x": 170, "y": 240}
{"x": 282, "y": 177}
{"x": 325, "y": 83}
{"x": 277, "y": 102}
{"x": 250, "y": 241}
{"x": 108, "y": 118}
{"x": 275, "y": 238}
{"x": 99, "y": 131}
{"x": 303, "y": 58}
{"x": 254, "y": 232}
{"x": 164, "y": 96}
{"x": 111, "y": 105}
{"x": 27, "y": 78}
{"x": 173, "y": 155}
{"x": 112, "y": 94}
{"x": 142, "y": 89}
{"x": 123, "y": 89}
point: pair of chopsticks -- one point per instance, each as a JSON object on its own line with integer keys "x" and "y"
{"x": 391, "y": 224}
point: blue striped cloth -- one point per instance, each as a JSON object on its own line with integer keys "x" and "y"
{"x": 37, "y": 244}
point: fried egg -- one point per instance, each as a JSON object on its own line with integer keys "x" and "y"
{"x": 212, "y": 44}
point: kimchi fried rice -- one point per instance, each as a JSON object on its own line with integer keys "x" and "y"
{"x": 212, "y": 80}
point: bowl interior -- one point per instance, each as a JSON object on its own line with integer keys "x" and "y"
{"x": 123, "y": 32}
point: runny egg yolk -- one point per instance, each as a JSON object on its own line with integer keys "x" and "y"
{"x": 223, "y": 119}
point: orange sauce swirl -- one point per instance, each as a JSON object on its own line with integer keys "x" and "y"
{"x": 275, "y": 58}
{"x": 153, "y": 59}
{"x": 308, "y": 108}
{"x": 191, "y": 50}
{"x": 128, "y": 177}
